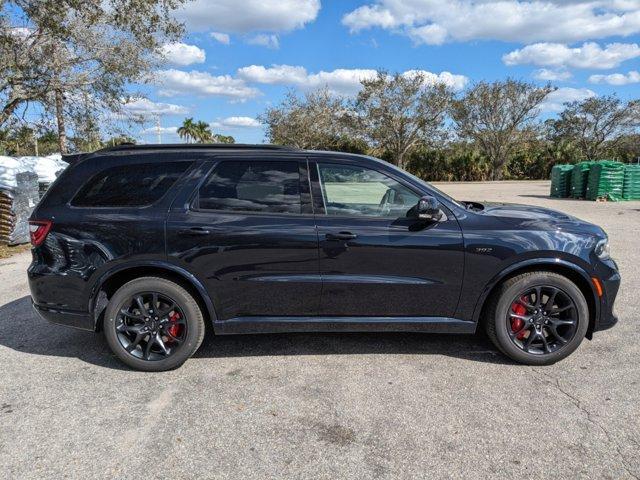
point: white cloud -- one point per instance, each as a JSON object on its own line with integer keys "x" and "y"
{"x": 455, "y": 82}
{"x": 161, "y": 135}
{"x": 234, "y": 16}
{"x": 589, "y": 55}
{"x": 431, "y": 34}
{"x": 182, "y": 54}
{"x": 163, "y": 131}
{"x": 555, "y": 100}
{"x": 617, "y": 79}
{"x": 264, "y": 40}
{"x": 221, "y": 37}
{"x": 237, "y": 122}
{"x": 177, "y": 82}
{"x": 551, "y": 75}
{"x": 342, "y": 81}
{"x": 274, "y": 75}
{"x": 435, "y": 21}
{"x": 145, "y": 108}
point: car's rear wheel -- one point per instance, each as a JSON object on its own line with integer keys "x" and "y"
{"x": 537, "y": 318}
{"x": 153, "y": 324}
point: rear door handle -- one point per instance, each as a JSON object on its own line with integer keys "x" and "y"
{"x": 340, "y": 236}
{"x": 194, "y": 231}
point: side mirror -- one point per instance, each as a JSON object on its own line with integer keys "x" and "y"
{"x": 426, "y": 210}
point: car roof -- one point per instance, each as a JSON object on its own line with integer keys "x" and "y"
{"x": 202, "y": 147}
{"x": 196, "y": 146}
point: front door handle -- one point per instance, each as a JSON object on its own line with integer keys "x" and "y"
{"x": 340, "y": 236}
{"x": 194, "y": 231}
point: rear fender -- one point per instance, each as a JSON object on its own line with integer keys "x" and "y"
{"x": 156, "y": 265}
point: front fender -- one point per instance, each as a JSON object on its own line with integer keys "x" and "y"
{"x": 553, "y": 264}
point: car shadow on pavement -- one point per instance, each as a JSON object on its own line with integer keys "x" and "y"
{"x": 21, "y": 329}
{"x": 469, "y": 347}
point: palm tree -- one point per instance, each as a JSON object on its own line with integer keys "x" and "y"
{"x": 202, "y": 132}
{"x": 188, "y": 130}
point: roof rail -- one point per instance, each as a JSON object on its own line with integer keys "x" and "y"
{"x": 196, "y": 146}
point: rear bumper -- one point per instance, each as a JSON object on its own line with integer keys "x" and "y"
{"x": 80, "y": 320}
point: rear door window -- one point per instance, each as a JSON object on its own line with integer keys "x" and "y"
{"x": 252, "y": 186}
{"x": 134, "y": 185}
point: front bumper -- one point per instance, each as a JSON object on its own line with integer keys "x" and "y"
{"x": 610, "y": 287}
{"x": 69, "y": 318}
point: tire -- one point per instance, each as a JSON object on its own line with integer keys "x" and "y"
{"x": 191, "y": 315}
{"x": 499, "y": 314}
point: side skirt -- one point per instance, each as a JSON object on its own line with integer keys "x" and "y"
{"x": 240, "y": 325}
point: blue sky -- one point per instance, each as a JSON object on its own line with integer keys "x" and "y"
{"x": 239, "y": 57}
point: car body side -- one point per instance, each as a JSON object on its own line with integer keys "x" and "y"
{"x": 90, "y": 250}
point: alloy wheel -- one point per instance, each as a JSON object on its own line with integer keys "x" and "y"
{"x": 151, "y": 326}
{"x": 542, "y": 319}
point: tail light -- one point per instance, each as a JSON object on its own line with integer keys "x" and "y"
{"x": 38, "y": 230}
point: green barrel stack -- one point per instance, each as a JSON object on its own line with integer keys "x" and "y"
{"x": 561, "y": 180}
{"x": 631, "y": 184}
{"x": 606, "y": 179}
{"x": 579, "y": 178}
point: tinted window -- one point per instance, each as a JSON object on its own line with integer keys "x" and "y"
{"x": 351, "y": 190}
{"x": 252, "y": 187}
{"x": 132, "y": 185}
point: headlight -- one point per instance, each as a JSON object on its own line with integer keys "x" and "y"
{"x": 602, "y": 250}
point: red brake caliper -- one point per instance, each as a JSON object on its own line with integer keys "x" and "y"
{"x": 518, "y": 323}
{"x": 174, "y": 330}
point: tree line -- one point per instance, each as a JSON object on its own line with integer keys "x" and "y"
{"x": 23, "y": 140}
{"x": 490, "y": 131}
{"x": 71, "y": 62}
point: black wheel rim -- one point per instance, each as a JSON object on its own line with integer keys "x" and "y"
{"x": 542, "y": 320}
{"x": 151, "y": 326}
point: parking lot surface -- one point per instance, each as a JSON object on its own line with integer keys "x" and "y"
{"x": 327, "y": 405}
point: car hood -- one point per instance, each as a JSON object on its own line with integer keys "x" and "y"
{"x": 538, "y": 217}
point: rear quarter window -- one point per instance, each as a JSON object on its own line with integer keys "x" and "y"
{"x": 134, "y": 185}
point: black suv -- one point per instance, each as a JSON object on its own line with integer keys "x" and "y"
{"x": 253, "y": 239}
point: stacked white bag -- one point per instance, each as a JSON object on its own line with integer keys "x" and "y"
{"x": 45, "y": 167}
{"x": 12, "y": 221}
{"x": 9, "y": 167}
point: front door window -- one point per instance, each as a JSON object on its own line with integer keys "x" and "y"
{"x": 357, "y": 191}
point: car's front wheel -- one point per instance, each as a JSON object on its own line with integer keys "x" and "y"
{"x": 153, "y": 324}
{"x": 537, "y": 318}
